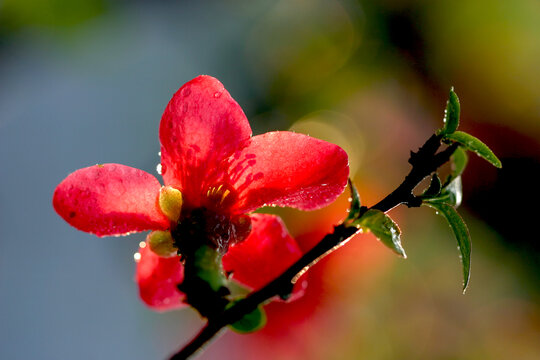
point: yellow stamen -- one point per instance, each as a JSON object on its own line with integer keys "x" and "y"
{"x": 220, "y": 196}
{"x": 224, "y": 195}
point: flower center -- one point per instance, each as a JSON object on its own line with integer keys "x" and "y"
{"x": 203, "y": 226}
{"x": 210, "y": 224}
{"x": 221, "y": 197}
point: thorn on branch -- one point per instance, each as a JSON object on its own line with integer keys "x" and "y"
{"x": 426, "y": 151}
{"x": 286, "y": 292}
{"x": 413, "y": 201}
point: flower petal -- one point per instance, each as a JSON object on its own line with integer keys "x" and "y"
{"x": 157, "y": 278}
{"x": 110, "y": 199}
{"x": 201, "y": 126}
{"x": 288, "y": 169}
{"x": 264, "y": 255}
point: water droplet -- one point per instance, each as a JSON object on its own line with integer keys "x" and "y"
{"x": 137, "y": 257}
{"x": 159, "y": 153}
{"x": 159, "y": 169}
{"x": 142, "y": 244}
{"x": 186, "y": 92}
{"x": 217, "y": 94}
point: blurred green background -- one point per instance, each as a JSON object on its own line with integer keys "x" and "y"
{"x": 85, "y": 82}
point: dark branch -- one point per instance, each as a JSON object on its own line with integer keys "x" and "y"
{"x": 424, "y": 162}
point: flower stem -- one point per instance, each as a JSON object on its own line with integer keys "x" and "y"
{"x": 424, "y": 162}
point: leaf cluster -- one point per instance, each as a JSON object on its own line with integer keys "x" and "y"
{"x": 443, "y": 196}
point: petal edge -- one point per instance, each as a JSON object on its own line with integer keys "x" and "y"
{"x": 110, "y": 199}
{"x": 157, "y": 278}
{"x": 283, "y": 168}
{"x": 201, "y": 126}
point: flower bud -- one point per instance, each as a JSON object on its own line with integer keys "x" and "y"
{"x": 162, "y": 243}
{"x": 170, "y": 202}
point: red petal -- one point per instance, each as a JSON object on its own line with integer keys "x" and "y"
{"x": 288, "y": 169}
{"x": 157, "y": 278}
{"x": 201, "y": 126}
{"x": 264, "y": 255}
{"x": 110, "y": 199}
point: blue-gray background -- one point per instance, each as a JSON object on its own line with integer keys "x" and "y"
{"x": 86, "y": 83}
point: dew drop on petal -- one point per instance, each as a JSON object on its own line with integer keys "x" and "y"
{"x": 142, "y": 244}
{"x": 159, "y": 153}
{"x": 159, "y": 169}
{"x": 137, "y": 257}
{"x": 217, "y": 94}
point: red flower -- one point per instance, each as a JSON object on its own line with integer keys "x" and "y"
{"x": 215, "y": 172}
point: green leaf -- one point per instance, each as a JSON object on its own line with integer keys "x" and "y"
{"x": 473, "y": 144}
{"x": 384, "y": 228}
{"x": 251, "y": 322}
{"x": 459, "y": 162}
{"x": 354, "y": 210}
{"x": 434, "y": 188}
{"x": 451, "y": 194}
{"x": 461, "y": 232}
{"x": 451, "y": 114}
